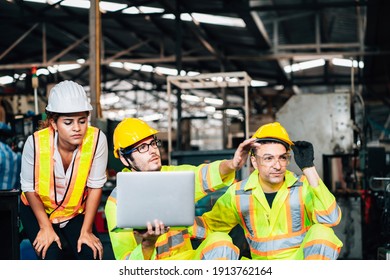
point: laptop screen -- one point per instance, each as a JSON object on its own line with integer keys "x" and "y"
{"x": 145, "y": 196}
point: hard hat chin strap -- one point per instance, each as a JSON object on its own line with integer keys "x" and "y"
{"x": 131, "y": 166}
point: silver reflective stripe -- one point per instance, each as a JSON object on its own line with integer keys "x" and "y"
{"x": 220, "y": 252}
{"x": 205, "y": 185}
{"x": 172, "y": 241}
{"x": 200, "y": 229}
{"x": 295, "y": 209}
{"x": 322, "y": 250}
{"x": 114, "y": 193}
{"x": 330, "y": 218}
{"x": 277, "y": 244}
{"x": 244, "y": 197}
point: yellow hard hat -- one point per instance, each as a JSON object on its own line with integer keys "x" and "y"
{"x": 130, "y": 131}
{"x": 273, "y": 131}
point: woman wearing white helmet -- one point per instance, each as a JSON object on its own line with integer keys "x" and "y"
{"x": 63, "y": 172}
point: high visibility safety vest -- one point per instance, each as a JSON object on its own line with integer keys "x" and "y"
{"x": 174, "y": 242}
{"x": 44, "y": 180}
{"x": 276, "y": 232}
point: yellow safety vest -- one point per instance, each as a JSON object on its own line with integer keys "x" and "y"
{"x": 44, "y": 178}
{"x": 175, "y": 242}
{"x": 272, "y": 232}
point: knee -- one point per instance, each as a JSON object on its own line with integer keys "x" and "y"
{"x": 219, "y": 246}
{"x": 319, "y": 231}
{"x": 322, "y": 232}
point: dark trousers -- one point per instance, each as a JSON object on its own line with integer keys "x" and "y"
{"x": 68, "y": 235}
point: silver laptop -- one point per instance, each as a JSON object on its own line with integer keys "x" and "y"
{"x": 145, "y": 196}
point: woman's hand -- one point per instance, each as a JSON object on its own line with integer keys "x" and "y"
{"x": 43, "y": 240}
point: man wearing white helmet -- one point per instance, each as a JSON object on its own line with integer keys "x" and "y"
{"x": 63, "y": 172}
{"x": 283, "y": 215}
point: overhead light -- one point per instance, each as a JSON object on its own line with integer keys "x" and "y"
{"x": 209, "y": 109}
{"x": 109, "y": 99}
{"x": 110, "y": 115}
{"x": 132, "y": 66}
{"x": 131, "y": 10}
{"x": 147, "y": 68}
{"x": 83, "y": 4}
{"x": 36, "y": 1}
{"x": 257, "y": 83}
{"x": 192, "y": 73}
{"x": 110, "y": 6}
{"x": 347, "y": 62}
{"x": 131, "y": 111}
{"x": 43, "y": 71}
{"x": 304, "y": 65}
{"x": 153, "y": 117}
{"x": 166, "y": 71}
{"x": 218, "y": 115}
{"x": 232, "y": 112}
{"x": 116, "y": 64}
{"x": 279, "y": 87}
{"x": 190, "y": 98}
{"x": 142, "y": 10}
{"x": 6, "y": 80}
{"x": 63, "y": 67}
{"x": 213, "y": 101}
{"x": 51, "y": 2}
{"x": 217, "y": 79}
{"x": 20, "y": 77}
{"x": 219, "y": 20}
{"x": 210, "y": 19}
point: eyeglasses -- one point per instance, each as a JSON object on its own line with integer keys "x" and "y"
{"x": 270, "y": 160}
{"x": 143, "y": 148}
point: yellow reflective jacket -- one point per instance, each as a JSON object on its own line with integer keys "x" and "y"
{"x": 73, "y": 201}
{"x": 277, "y": 232}
{"x": 124, "y": 243}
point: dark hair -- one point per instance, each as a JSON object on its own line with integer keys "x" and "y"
{"x": 52, "y": 116}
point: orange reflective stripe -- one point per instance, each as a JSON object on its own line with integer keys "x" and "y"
{"x": 72, "y": 204}
{"x": 205, "y": 178}
{"x": 322, "y": 242}
{"x": 83, "y": 159}
{"x": 214, "y": 247}
{"x": 44, "y": 175}
{"x": 172, "y": 241}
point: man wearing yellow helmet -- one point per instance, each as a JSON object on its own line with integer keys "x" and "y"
{"x": 136, "y": 145}
{"x": 283, "y": 215}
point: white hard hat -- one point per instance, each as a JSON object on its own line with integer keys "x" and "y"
{"x": 68, "y": 97}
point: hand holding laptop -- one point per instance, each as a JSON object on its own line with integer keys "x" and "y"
{"x": 158, "y": 229}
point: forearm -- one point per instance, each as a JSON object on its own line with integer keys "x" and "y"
{"x": 38, "y": 209}
{"x": 239, "y": 159}
{"x": 226, "y": 167}
{"x": 91, "y": 207}
{"x": 312, "y": 176}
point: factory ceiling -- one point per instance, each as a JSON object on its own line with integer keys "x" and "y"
{"x": 286, "y": 47}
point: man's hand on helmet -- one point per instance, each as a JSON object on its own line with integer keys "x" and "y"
{"x": 303, "y": 154}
